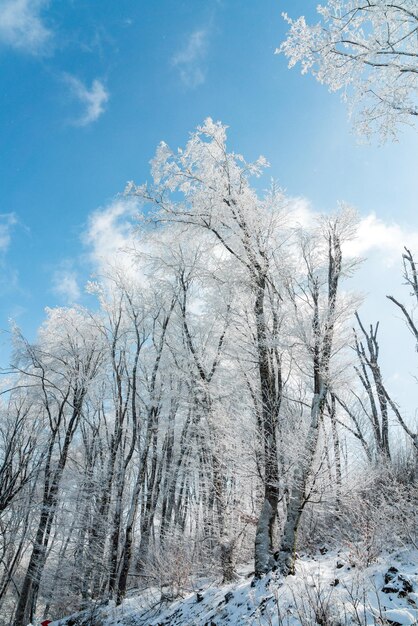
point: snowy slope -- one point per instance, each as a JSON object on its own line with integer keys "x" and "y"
{"x": 328, "y": 590}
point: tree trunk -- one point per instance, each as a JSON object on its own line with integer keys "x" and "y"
{"x": 264, "y": 560}
{"x": 286, "y": 559}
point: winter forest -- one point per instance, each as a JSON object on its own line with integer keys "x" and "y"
{"x": 213, "y": 439}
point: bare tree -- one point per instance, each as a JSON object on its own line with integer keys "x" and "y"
{"x": 411, "y": 280}
{"x": 368, "y": 364}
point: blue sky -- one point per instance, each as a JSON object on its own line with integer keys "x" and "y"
{"x": 90, "y": 88}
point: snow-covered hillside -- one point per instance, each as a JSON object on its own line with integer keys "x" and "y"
{"x": 327, "y": 590}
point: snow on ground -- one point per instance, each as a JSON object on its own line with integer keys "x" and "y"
{"x": 328, "y": 590}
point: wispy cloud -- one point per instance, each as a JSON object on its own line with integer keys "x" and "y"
{"x": 93, "y": 99}
{"x": 9, "y": 275}
{"x": 7, "y": 221}
{"x": 189, "y": 60}
{"x": 22, "y": 27}
{"x": 65, "y": 283}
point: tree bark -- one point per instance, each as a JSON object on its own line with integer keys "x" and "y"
{"x": 264, "y": 560}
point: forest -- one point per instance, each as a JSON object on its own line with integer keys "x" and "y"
{"x": 222, "y": 402}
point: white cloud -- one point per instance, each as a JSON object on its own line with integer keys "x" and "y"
{"x": 7, "y": 221}
{"x": 94, "y": 99}
{"x": 301, "y": 213}
{"x": 65, "y": 283}
{"x": 110, "y": 235}
{"x": 21, "y": 25}
{"x": 189, "y": 59}
{"x": 374, "y": 235}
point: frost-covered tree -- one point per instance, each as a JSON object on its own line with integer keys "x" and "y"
{"x": 58, "y": 371}
{"x": 202, "y": 410}
{"x": 369, "y": 50}
{"x": 21, "y": 456}
{"x": 321, "y": 313}
{"x": 207, "y": 188}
